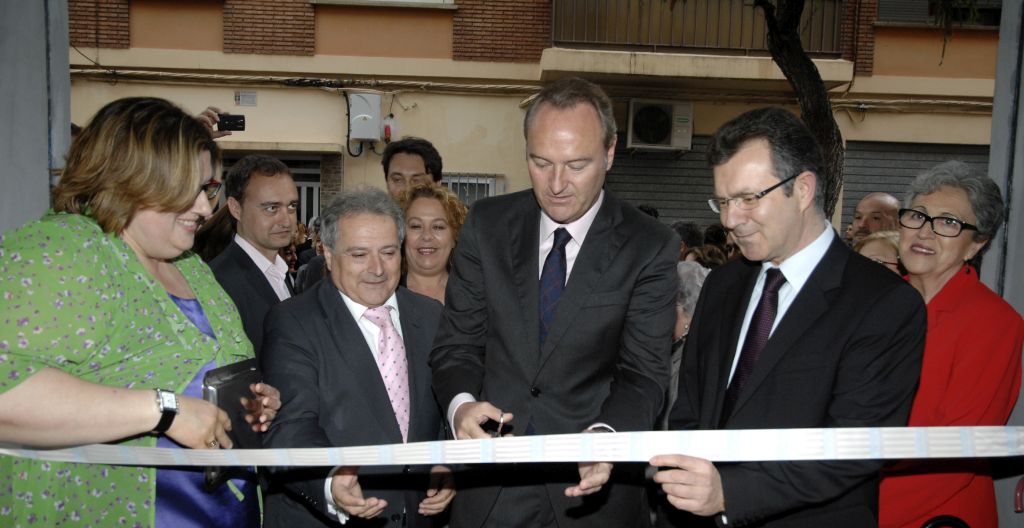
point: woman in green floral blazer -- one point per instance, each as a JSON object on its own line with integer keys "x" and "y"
{"x": 101, "y": 303}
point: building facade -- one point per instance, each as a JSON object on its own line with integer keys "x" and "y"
{"x": 459, "y": 73}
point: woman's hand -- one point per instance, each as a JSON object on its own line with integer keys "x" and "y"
{"x": 200, "y": 425}
{"x": 46, "y": 410}
{"x": 263, "y": 407}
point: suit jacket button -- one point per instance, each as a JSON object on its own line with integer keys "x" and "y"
{"x": 534, "y": 391}
{"x": 395, "y": 517}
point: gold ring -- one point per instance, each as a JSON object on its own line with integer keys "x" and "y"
{"x": 213, "y": 444}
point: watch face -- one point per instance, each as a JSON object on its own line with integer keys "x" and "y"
{"x": 168, "y": 401}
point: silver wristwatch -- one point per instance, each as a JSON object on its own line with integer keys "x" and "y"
{"x": 167, "y": 403}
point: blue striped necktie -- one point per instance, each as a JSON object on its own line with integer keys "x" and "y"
{"x": 552, "y": 281}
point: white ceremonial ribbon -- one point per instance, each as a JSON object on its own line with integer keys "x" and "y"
{"x": 718, "y": 446}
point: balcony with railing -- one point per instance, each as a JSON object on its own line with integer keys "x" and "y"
{"x": 732, "y": 27}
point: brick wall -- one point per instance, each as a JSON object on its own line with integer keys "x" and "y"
{"x": 98, "y": 23}
{"x": 501, "y": 30}
{"x": 857, "y": 35}
{"x": 278, "y": 27}
{"x": 332, "y": 177}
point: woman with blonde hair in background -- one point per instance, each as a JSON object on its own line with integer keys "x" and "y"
{"x": 882, "y": 247}
{"x": 433, "y": 217}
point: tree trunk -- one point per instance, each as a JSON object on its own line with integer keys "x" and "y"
{"x": 783, "y": 20}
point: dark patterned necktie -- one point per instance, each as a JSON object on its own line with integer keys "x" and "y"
{"x": 757, "y": 336}
{"x": 552, "y": 281}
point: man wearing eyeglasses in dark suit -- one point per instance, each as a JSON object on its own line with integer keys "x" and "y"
{"x": 801, "y": 332}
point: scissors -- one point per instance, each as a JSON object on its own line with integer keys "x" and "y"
{"x": 501, "y": 422}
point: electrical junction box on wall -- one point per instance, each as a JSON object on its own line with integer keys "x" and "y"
{"x": 660, "y": 125}
{"x": 364, "y": 116}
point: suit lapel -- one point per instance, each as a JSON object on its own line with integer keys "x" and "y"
{"x": 523, "y": 256}
{"x": 350, "y": 346}
{"x": 253, "y": 276}
{"x": 416, "y": 346}
{"x": 729, "y": 325}
{"x": 289, "y": 281}
{"x": 809, "y": 305}
{"x": 599, "y": 249}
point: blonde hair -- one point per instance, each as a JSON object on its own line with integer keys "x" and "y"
{"x": 136, "y": 153}
{"x": 454, "y": 210}
{"x": 889, "y": 238}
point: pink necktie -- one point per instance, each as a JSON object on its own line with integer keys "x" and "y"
{"x": 394, "y": 368}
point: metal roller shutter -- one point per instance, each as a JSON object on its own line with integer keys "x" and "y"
{"x": 889, "y": 167}
{"x": 678, "y": 184}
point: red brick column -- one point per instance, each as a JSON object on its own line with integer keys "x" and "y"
{"x": 857, "y": 34}
{"x": 269, "y": 27}
{"x": 98, "y": 23}
{"x": 332, "y": 178}
{"x": 501, "y": 30}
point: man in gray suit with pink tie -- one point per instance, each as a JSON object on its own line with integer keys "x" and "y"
{"x": 350, "y": 356}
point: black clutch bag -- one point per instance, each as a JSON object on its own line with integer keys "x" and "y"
{"x": 225, "y": 387}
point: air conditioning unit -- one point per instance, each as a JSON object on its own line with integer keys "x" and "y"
{"x": 660, "y": 125}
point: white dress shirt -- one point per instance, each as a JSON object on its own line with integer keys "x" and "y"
{"x": 578, "y": 230}
{"x": 797, "y": 269}
{"x": 275, "y": 271}
{"x": 371, "y": 333}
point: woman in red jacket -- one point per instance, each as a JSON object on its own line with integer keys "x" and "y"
{"x": 972, "y": 361}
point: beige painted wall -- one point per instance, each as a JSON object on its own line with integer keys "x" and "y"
{"x": 474, "y": 133}
{"x": 961, "y": 128}
{"x": 182, "y": 24}
{"x": 966, "y": 129}
{"x": 340, "y": 30}
{"x": 709, "y": 117}
{"x": 282, "y": 115}
{"x": 970, "y": 54}
{"x": 383, "y": 32}
{"x": 483, "y": 133}
{"x": 334, "y": 66}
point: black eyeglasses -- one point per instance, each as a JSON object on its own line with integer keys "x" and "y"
{"x": 941, "y": 225}
{"x": 745, "y": 201}
{"x": 211, "y": 188}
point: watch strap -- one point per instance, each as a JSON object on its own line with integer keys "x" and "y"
{"x": 167, "y": 414}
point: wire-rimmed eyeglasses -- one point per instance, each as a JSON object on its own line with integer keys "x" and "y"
{"x": 211, "y": 189}
{"x": 745, "y": 201}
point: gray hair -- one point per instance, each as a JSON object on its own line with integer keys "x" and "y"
{"x": 983, "y": 194}
{"x": 366, "y": 200}
{"x": 691, "y": 280}
{"x": 564, "y": 94}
